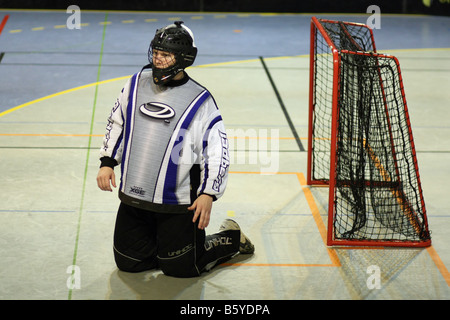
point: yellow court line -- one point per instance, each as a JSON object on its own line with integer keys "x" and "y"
{"x": 126, "y": 77}
{"x": 60, "y": 93}
{"x": 278, "y": 265}
{"x": 122, "y": 78}
{"x": 143, "y": 12}
{"x": 195, "y": 16}
{"x": 317, "y": 218}
{"x": 439, "y": 264}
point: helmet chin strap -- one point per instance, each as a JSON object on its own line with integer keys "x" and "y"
{"x": 163, "y": 76}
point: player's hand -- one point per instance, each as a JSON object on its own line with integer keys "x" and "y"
{"x": 202, "y": 206}
{"x": 105, "y": 178}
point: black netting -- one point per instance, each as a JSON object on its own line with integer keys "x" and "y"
{"x": 377, "y": 195}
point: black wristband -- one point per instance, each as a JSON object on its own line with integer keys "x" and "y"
{"x": 108, "y": 162}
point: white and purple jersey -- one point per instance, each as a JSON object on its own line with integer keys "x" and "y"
{"x": 170, "y": 141}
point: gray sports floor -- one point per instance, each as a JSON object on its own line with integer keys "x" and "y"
{"x": 57, "y": 87}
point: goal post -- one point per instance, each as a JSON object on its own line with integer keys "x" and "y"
{"x": 360, "y": 142}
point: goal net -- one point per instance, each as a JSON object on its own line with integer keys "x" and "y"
{"x": 360, "y": 141}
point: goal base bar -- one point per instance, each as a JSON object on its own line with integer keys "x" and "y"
{"x": 375, "y": 243}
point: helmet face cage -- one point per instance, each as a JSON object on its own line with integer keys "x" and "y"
{"x": 178, "y": 40}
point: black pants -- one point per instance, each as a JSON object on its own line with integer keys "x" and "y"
{"x": 145, "y": 240}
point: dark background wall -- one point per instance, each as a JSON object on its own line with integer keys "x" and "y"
{"x": 440, "y": 7}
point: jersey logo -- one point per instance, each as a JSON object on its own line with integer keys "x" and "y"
{"x": 157, "y": 110}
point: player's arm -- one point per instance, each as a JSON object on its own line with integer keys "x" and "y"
{"x": 213, "y": 167}
{"x": 111, "y": 151}
{"x": 215, "y": 158}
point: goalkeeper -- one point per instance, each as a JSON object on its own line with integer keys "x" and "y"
{"x": 167, "y": 134}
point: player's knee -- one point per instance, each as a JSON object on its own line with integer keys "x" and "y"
{"x": 182, "y": 266}
{"x": 128, "y": 264}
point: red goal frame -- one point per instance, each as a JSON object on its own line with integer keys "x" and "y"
{"x": 317, "y": 28}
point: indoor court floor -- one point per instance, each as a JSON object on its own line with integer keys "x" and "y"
{"x": 57, "y": 87}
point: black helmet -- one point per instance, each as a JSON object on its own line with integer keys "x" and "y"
{"x": 177, "y": 39}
